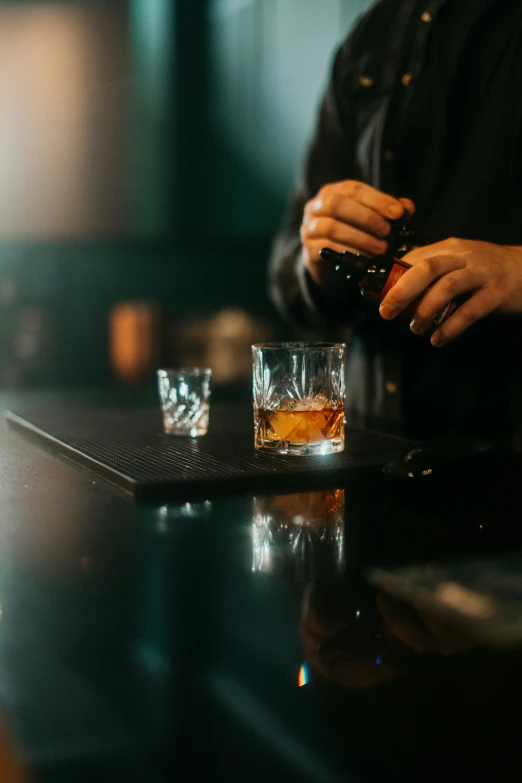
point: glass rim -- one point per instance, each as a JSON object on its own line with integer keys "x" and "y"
{"x": 298, "y": 346}
{"x": 195, "y": 372}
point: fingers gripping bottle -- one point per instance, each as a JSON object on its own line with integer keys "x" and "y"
{"x": 376, "y": 276}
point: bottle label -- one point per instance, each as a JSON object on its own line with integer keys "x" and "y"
{"x": 397, "y": 271}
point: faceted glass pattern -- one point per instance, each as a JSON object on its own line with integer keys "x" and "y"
{"x": 300, "y": 536}
{"x": 299, "y": 397}
{"x": 185, "y": 398}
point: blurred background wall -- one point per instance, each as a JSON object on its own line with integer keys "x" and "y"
{"x": 147, "y": 148}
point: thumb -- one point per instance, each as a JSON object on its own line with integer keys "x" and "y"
{"x": 408, "y": 205}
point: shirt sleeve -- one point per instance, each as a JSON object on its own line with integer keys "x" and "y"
{"x": 330, "y": 159}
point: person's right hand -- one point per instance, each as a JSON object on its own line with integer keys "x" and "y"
{"x": 420, "y": 631}
{"x": 348, "y": 216}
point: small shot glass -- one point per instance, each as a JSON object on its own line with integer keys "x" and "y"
{"x": 185, "y": 400}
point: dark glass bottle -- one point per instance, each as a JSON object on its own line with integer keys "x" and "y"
{"x": 376, "y": 276}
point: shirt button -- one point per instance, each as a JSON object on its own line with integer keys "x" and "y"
{"x": 406, "y": 79}
{"x": 391, "y": 387}
{"x": 366, "y": 81}
{"x": 426, "y": 17}
{"x": 388, "y": 155}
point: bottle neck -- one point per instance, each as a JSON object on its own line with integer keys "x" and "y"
{"x": 349, "y": 264}
{"x": 354, "y": 266}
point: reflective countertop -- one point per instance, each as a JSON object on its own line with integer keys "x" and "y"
{"x": 348, "y": 634}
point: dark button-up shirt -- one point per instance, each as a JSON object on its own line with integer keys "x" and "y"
{"x": 424, "y": 101}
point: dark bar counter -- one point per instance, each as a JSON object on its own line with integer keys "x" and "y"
{"x": 366, "y": 631}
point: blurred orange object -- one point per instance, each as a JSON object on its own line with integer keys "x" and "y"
{"x": 11, "y": 766}
{"x": 135, "y": 340}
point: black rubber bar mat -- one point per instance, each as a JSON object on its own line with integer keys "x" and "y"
{"x": 128, "y": 448}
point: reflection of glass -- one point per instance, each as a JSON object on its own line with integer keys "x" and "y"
{"x": 300, "y": 536}
{"x": 187, "y": 510}
{"x": 299, "y": 397}
{"x": 193, "y": 511}
{"x": 185, "y": 398}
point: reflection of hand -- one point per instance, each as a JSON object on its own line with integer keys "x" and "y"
{"x": 335, "y": 649}
{"x": 347, "y": 216}
{"x": 453, "y": 268}
{"x": 420, "y": 631}
{"x": 353, "y": 671}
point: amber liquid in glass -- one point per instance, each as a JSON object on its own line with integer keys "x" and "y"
{"x": 300, "y": 536}
{"x": 308, "y": 507}
{"x": 300, "y": 426}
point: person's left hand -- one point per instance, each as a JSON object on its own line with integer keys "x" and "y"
{"x": 492, "y": 274}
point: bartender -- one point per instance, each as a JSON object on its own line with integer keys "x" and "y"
{"x": 422, "y": 114}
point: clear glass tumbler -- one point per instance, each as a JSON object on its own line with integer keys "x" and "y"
{"x": 299, "y": 397}
{"x": 185, "y": 400}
